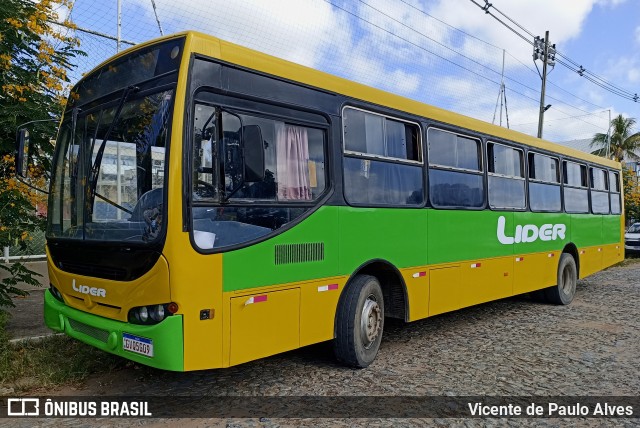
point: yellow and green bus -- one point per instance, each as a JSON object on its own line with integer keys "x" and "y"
{"x": 211, "y": 205}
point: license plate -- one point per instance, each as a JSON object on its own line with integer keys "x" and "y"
{"x": 137, "y": 344}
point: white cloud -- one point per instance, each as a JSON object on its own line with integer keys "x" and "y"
{"x": 563, "y": 19}
{"x": 295, "y": 30}
{"x": 308, "y": 32}
{"x": 624, "y": 69}
{"x": 417, "y": 63}
{"x": 611, "y": 3}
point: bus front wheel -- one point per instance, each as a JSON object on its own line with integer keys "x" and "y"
{"x": 564, "y": 291}
{"x": 359, "y": 322}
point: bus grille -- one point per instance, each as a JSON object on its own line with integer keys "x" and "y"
{"x": 299, "y": 253}
{"x": 117, "y": 274}
{"x": 96, "y": 333}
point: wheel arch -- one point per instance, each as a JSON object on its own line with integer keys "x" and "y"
{"x": 394, "y": 289}
{"x": 571, "y": 249}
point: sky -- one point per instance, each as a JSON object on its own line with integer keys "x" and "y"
{"x": 447, "y": 53}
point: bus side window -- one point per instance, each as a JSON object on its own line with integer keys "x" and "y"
{"x": 544, "y": 183}
{"x": 576, "y": 190}
{"x": 614, "y": 195}
{"x": 383, "y": 160}
{"x": 506, "y": 177}
{"x": 455, "y": 170}
{"x": 599, "y": 191}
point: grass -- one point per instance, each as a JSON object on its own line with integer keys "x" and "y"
{"x": 50, "y": 362}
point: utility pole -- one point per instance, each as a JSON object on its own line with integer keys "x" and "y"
{"x": 118, "y": 25}
{"x": 542, "y": 50}
{"x": 609, "y": 135}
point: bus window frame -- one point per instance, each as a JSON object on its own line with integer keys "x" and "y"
{"x": 557, "y": 157}
{"x": 524, "y": 178}
{"x": 591, "y": 188}
{"x": 482, "y": 172}
{"x": 387, "y": 159}
{"x": 565, "y": 185}
{"x": 353, "y": 153}
{"x": 611, "y": 192}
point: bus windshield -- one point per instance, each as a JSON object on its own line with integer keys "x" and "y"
{"x": 108, "y": 179}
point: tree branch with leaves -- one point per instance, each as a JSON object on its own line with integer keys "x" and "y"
{"x": 36, "y": 52}
{"x": 622, "y": 143}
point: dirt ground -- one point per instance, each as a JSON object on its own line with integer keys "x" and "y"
{"x": 508, "y": 348}
{"x": 27, "y": 318}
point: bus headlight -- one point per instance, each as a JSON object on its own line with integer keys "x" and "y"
{"x": 152, "y": 314}
{"x": 143, "y": 314}
{"x": 157, "y": 313}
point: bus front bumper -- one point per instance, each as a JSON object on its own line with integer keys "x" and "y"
{"x": 165, "y": 338}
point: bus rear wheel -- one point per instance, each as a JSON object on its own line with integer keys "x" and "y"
{"x": 565, "y": 290}
{"x": 359, "y": 322}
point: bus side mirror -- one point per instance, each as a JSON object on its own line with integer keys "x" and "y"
{"x": 253, "y": 146}
{"x": 22, "y": 153}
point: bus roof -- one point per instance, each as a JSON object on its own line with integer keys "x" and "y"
{"x": 214, "y": 47}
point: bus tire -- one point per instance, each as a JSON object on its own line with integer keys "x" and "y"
{"x": 565, "y": 289}
{"x": 359, "y": 322}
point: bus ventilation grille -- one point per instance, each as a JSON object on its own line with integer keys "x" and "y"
{"x": 117, "y": 274}
{"x": 299, "y": 253}
{"x": 96, "y": 333}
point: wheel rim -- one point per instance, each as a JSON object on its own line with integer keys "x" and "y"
{"x": 567, "y": 281}
{"x": 371, "y": 321}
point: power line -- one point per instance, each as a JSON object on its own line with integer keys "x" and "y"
{"x": 448, "y": 60}
{"x": 563, "y": 118}
{"x": 592, "y": 77}
{"x": 487, "y": 11}
{"x": 425, "y": 49}
{"x": 557, "y": 86}
{"x": 449, "y": 25}
{"x": 497, "y": 47}
{"x": 411, "y": 43}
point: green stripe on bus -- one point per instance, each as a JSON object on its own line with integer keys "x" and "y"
{"x": 405, "y": 238}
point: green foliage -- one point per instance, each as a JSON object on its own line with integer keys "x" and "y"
{"x": 631, "y": 195}
{"x": 18, "y": 273}
{"x": 35, "y": 55}
{"x": 624, "y": 143}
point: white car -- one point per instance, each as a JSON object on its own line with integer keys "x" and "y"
{"x": 632, "y": 238}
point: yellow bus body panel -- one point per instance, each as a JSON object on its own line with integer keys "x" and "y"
{"x": 151, "y": 288}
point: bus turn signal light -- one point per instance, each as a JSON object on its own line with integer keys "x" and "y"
{"x": 172, "y": 307}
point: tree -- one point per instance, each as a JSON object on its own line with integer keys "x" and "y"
{"x": 623, "y": 144}
{"x": 35, "y": 55}
{"x": 631, "y": 188}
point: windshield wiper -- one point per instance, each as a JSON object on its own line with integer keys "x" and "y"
{"x": 96, "y": 164}
{"x": 109, "y": 201}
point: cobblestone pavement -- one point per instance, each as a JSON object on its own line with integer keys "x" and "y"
{"x": 509, "y": 347}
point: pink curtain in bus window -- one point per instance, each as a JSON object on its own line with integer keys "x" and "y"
{"x": 292, "y": 147}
